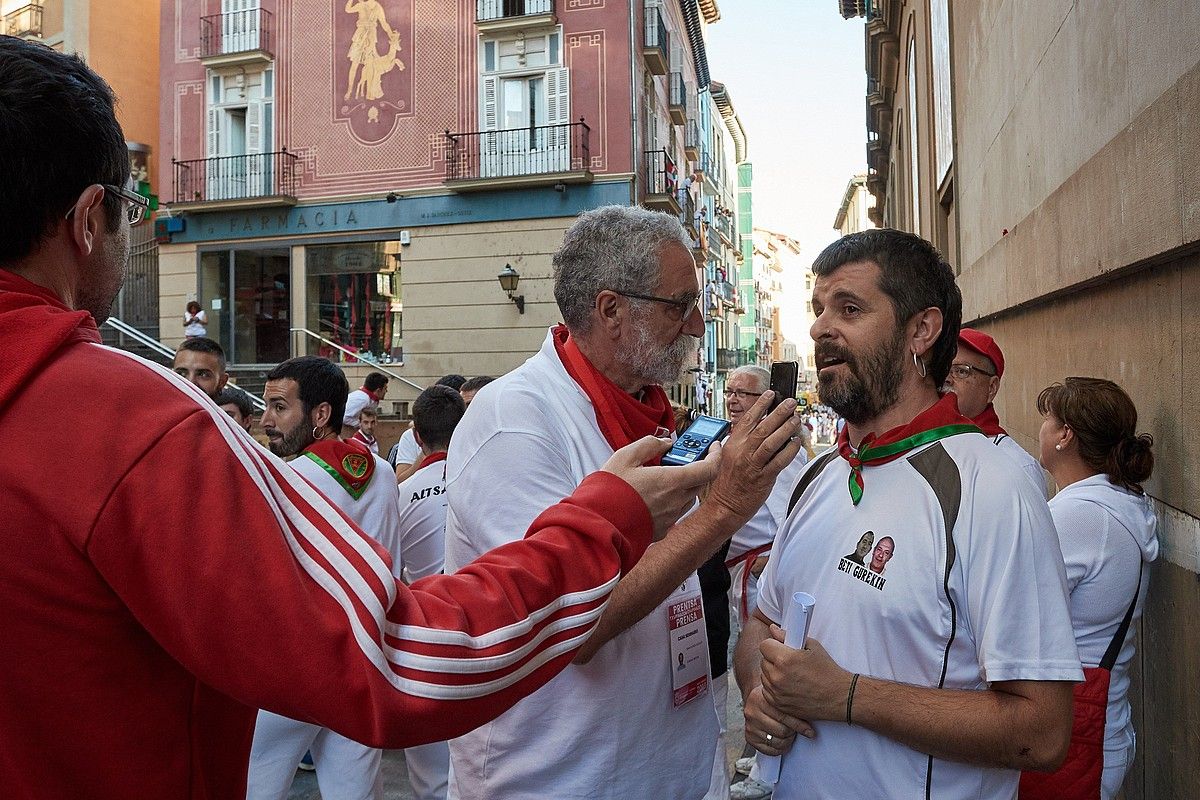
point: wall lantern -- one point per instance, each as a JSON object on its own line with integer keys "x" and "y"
{"x": 509, "y": 278}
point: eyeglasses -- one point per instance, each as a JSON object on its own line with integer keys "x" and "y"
{"x": 963, "y": 371}
{"x": 138, "y": 205}
{"x": 681, "y": 308}
{"x": 740, "y": 395}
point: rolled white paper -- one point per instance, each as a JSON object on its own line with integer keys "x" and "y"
{"x": 795, "y": 634}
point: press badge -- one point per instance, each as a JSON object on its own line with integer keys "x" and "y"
{"x": 689, "y": 643}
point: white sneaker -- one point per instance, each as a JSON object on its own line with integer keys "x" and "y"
{"x": 750, "y": 789}
{"x": 744, "y": 765}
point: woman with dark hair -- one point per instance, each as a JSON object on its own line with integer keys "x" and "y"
{"x": 1106, "y": 527}
{"x": 195, "y": 321}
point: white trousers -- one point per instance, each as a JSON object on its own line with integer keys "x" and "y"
{"x": 719, "y": 788}
{"x": 346, "y": 770}
{"x": 428, "y": 770}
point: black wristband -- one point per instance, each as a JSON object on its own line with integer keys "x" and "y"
{"x": 850, "y": 699}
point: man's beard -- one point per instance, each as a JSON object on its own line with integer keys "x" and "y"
{"x": 293, "y": 441}
{"x": 653, "y": 363}
{"x": 867, "y": 391}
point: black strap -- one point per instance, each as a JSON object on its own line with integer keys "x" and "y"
{"x": 808, "y": 477}
{"x": 1114, "y": 647}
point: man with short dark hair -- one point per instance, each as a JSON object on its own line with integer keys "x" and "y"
{"x": 158, "y": 608}
{"x": 405, "y": 453}
{"x": 202, "y": 361}
{"x": 422, "y": 546}
{"x": 620, "y": 722}
{"x": 366, "y": 428}
{"x": 945, "y": 666}
{"x": 237, "y": 405}
{"x": 975, "y": 379}
{"x": 473, "y": 385}
{"x": 305, "y": 399}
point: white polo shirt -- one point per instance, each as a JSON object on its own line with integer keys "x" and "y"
{"x": 974, "y": 593}
{"x": 1028, "y": 464}
{"x": 422, "y": 501}
{"x": 608, "y": 729}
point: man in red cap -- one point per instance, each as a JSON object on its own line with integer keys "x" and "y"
{"x": 975, "y": 378}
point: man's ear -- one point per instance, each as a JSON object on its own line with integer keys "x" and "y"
{"x": 87, "y": 220}
{"x": 321, "y": 415}
{"x": 608, "y": 311}
{"x": 417, "y": 436}
{"x": 993, "y": 387}
{"x": 924, "y": 329}
{"x": 222, "y": 380}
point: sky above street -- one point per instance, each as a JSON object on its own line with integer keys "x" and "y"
{"x": 794, "y": 69}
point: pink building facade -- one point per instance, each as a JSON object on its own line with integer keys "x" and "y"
{"x": 349, "y": 177}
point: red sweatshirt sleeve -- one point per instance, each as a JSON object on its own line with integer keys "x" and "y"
{"x": 254, "y": 582}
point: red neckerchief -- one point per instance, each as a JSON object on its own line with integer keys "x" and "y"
{"x": 939, "y": 421}
{"x": 376, "y": 398}
{"x": 359, "y": 436}
{"x": 432, "y": 458}
{"x": 622, "y": 417}
{"x": 989, "y": 423}
{"x": 350, "y": 463}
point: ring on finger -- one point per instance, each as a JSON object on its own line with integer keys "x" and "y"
{"x": 770, "y": 738}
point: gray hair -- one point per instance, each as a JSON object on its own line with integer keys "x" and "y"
{"x": 760, "y": 375}
{"x": 615, "y": 248}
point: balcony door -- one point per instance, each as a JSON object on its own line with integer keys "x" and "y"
{"x": 239, "y": 136}
{"x": 525, "y": 107}
{"x": 240, "y": 22}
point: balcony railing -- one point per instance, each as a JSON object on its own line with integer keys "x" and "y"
{"x": 551, "y": 150}
{"x": 25, "y": 21}
{"x": 256, "y": 176}
{"x": 493, "y": 10}
{"x": 727, "y": 359}
{"x": 678, "y": 104}
{"x": 656, "y": 45}
{"x": 248, "y": 31}
{"x": 661, "y": 175}
{"x": 691, "y": 140}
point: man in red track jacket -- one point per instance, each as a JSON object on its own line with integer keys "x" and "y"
{"x": 148, "y": 605}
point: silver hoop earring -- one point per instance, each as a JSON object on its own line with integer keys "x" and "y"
{"x": 919, "y": 364}
{"x": 1058, "y": 447}
{"x": 316, "y": 435}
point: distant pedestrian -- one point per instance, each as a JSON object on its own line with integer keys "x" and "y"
{"x": 372, "y": 392}
{"x": 195, "y": 321}
{"x": 1107, "y": 531}
{"x": 473, "y": 385}
{"x": 366, "y": 428}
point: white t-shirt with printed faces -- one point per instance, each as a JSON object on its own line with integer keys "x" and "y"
{"x": 422, "y": 500}
{"x": 987, "y": 603}
{"x": 608, "y": 729}
{"x": 1029, "y": 465}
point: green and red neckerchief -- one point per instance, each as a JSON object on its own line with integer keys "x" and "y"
{"x": 939, "y": 421}
{"x": 989, "y": 423}
{"x": 350, "y": 463}
{"x": 622, "y": 418}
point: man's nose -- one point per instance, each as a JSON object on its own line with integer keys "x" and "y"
{"x": 693, "y": 324}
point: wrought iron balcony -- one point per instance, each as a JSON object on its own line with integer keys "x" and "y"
{"x": 501, "y": 14}
{"x": 656, "y": 42}
{"x": 660, "y": 182}
{"x": 256, "y": 179}
{"x": 541, "y": 155}
{"x": 678, "y": 105}
{"x": 691, "y": 140}
{"x": 237, "y": 37}
{"x": 25, "y": 22}
{"x": 687, "y": 215}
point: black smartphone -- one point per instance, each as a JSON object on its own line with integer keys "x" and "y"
{"x": 693, "y": 443}
{"x": 784, "y": 375}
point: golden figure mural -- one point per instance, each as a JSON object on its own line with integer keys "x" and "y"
{"x": 367, "y": 64}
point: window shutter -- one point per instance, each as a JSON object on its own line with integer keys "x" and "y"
{"x": 490, "y": 112}
{"x": 558, "y": 113}
{"x": 254, "y": 127}
{"x": 214, "y": 133}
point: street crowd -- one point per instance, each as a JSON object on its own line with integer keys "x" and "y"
{"x": 519, "y": 594}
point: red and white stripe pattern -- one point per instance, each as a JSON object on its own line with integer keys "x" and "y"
{"x": 419, "y": 660}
